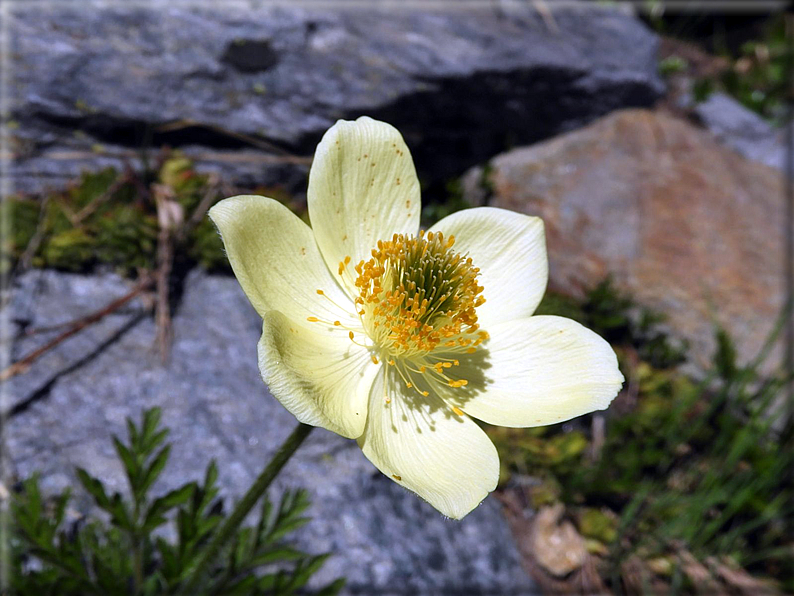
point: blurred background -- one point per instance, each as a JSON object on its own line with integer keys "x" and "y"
{"x": 651, "y": 141}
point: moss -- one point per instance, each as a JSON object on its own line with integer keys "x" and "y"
{"x": 598, "y": 524}
{"x": 71, "y": 250}
{"x": 24, "y": 218}
{"x": 104, "y": 219}
{"x": 126, "y": 238}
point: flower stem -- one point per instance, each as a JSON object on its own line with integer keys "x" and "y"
{"x": 243, "y": 507}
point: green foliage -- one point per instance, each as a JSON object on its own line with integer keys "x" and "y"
{"x": 70, "y": 250}
{"x": 110, "y": 219}
{"x": 126, "y": 238}
{"x": 755, "y": 73}
{"x": 758, "y": 76}
{"x": 598, "y": 524}
{"x": 672, "y": 65}
{"x": 131, "y": 554}
{"x": 692, "y": 465}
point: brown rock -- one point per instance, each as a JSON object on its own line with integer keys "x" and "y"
{"x": 687, "y": 227}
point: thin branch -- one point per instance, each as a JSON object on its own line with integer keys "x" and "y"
{"x": 94, "y": 204}
{"x": 169, "y": 216}
{"x": 207, "y": 201}
{"x": 24, "y": 363}
{"x": 35, "y": 241}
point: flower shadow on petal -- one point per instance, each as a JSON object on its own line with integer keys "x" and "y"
{"x": 442, "y": 399}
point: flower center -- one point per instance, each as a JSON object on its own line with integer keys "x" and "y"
{"x": 417, "y": 294}
{"x": 417, "y": 301}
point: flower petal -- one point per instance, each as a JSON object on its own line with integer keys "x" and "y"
{"x": 421, "y": 444}
{"x": 276, "y": 260}
{"x": 320, "y": 376}
{"x": 362, "y": 188}
{"x": 510, "y": 251}
{"x": 537, "y": 371}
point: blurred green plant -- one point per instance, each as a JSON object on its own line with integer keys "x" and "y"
{"x": 684, "y": 466}
{"x": 755, "y": 72}
{"x": 109, "y": 219}
{"x": 149, "y": 544}
{"x": 759, "y": 76}
{"x": 672, "y": 65}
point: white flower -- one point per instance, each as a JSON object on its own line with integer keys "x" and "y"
{"x": 395, "y": 337}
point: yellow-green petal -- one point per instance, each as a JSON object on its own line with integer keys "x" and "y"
{"x": 362, "y": 188}
{"x": 421, "y": 444}
{"x": 277, "y": 262}
{"x": 537, "y": 371}
{"x": 510, "y": 250}
{"x": 318, "y": 374}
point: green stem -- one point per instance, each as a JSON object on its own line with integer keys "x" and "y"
{"x": 137, "y": 557}
{"x": 137, "y": 547}
{"x": 241, "y": 510}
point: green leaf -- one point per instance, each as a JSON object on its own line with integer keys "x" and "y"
{"x": 333, "y": 588}
{"x": 305, "y": 569}
{"x": 151, "y": 420}
{"x": 153, "y": 442}
{"x": 155, "y": 469}
{"x": 95, "y": 488}
{"x": 285, "y": 553}
{"x": 132, "y": 431}
{"x": 131, "y": 465}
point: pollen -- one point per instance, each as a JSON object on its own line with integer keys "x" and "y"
{"x": 418, "y": 295}
{"x": 417, "y": 300}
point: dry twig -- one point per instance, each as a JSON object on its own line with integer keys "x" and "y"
{"x": 21, "y": 365}
{"x": 170, "y": 218}
{"x": 207, "y": 201}
{"x": 35, "y": 241}
{"x": 92, "y": 206}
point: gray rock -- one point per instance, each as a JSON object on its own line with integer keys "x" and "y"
{"x": 238, "y": 87}
{"x": 742, "y": 130}
{"x": 65, "y": 409}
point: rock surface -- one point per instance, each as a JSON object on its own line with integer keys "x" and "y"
{"x": 742, "y": 130}
{"x": 238, "y": 87}
{"x": 65, "y": 408}
{"x": 685, "y": 225}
